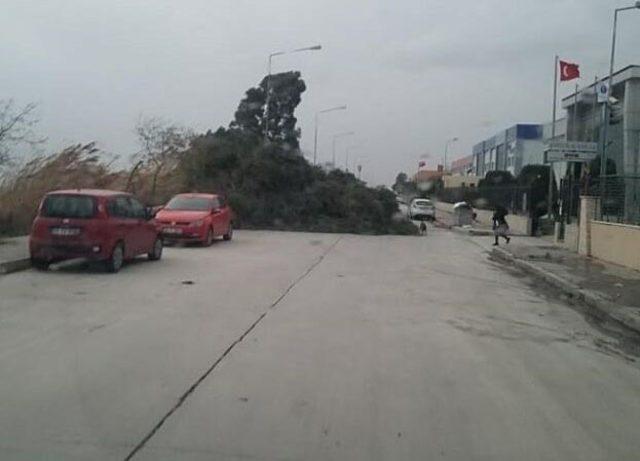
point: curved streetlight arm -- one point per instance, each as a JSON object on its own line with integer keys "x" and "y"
{"x": 332, "y": 109}
{"x": 308, "y": 48}
{"x": 268, "y": 98}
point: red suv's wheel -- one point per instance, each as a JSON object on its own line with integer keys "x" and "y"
{"x": 156, "y": 252}
{"x": 115, "y": 261}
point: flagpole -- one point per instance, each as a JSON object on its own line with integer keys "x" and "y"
{"x": 553, "y": 134}
{"x": 572, "y": 165}
{"x": 594, "y": 108}
{"x": 575, "y": 114}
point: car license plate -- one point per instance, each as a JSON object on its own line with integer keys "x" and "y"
{"x": 173, "y": 230}
{"x": 65, "y": 231}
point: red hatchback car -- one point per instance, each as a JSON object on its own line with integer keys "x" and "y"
{"x": 196, "y": 218}
{"x": 100, "y": 225}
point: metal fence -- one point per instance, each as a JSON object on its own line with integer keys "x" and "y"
{"x": 569, "y": 199}
{"x": 619, "y": 198}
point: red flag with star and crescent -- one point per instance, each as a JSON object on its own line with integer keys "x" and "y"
{"x": 568, "y": 71}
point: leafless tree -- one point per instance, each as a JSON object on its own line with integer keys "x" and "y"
{"x": 16, "y": 128}
{"x": 161, "y": 142}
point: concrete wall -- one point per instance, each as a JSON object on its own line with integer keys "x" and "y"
{"x": 616, "y": 243}
{"x": 571, "y": 234}
{"x": 589, "y": 209}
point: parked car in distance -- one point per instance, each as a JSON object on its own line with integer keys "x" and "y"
{"x": 196, "y": 218}
{"x": 96, "y": 225}
{"x": 422, "y": 209}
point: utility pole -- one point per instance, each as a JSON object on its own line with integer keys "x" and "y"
{"x": 265, "y": 116}
{"x": 335, "y": 137}
{"x": 315, "y": 131}
{"x": 606, "y": 110}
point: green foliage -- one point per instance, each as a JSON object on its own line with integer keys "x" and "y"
{"x": 272, "y": 185}
{"x": 404, "y": 185}
{"x": 285, "y": 91}
{"x": 595, "y": 165}
{"x": 497, "y": 179}
{"x": 533, "y": 174}
{"x": 536, "y": 178}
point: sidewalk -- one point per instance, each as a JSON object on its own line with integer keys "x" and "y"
{"x": 14, "y": 254}
{"x": 611, "y": 291}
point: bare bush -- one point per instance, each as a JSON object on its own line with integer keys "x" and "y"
{"x": 16, "y": 129}
{"x": 161, "y": 144}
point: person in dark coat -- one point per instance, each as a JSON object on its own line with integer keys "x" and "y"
{"x": 500, "y": 226}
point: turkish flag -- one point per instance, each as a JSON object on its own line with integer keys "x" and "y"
{"x": 568, "y": 71}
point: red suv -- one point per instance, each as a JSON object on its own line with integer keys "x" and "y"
{"x": 101, "y": 225}
{"x": 196, "y": 218}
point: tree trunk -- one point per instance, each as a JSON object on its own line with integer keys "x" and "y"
{"x": 154, "y": 182}
{"x": 133, "y": 172}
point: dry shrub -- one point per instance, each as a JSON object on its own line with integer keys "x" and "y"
{"x": 77, "y": 166}
{"x": 170, "y": 181}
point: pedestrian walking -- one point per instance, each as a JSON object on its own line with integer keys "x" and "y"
{"x": 500, "y": 226}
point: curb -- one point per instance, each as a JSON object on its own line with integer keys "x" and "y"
{"x": 7, "y": 267}
{"x": 471, "y": 231}
{"x": 600, "y": 307}
{"x": 474, "y": 231}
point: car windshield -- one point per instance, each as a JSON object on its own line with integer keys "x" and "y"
{"x": 189, "y": 204}
{"x": 69, "y": 206}
{"x": 423, "y": 203}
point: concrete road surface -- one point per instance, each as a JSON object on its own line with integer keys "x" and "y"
{"x": 293, "y": 346}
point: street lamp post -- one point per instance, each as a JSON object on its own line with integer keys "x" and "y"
{"x": 315, "y": 131}
{"x": 336, "y": 136}
{"x": 607, "y": 112}
{"x": 346, "y": 161}
{"x": 268, "y": 98}
{"x": 446, "y": 148}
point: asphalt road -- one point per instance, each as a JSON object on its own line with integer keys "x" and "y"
{"x": 282, "y": 346}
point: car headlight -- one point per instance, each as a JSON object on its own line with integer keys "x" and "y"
{"x": 197, "y": 223}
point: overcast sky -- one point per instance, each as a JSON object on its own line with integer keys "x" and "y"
{"x": 413, "y": 74}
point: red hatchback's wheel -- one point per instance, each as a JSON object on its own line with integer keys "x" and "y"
{"x": 208, "y": 241}
{"x": 115, "y": 261}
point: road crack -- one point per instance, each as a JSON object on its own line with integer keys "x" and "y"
{"x": 183, "y": 398}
